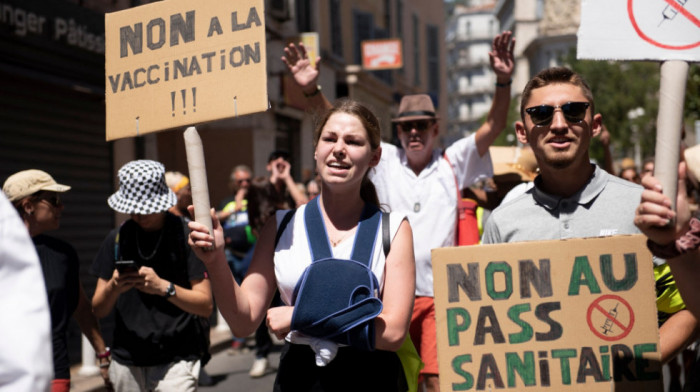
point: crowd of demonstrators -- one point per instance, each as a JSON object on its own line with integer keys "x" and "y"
{"x": 347, "y": 145}
{"x": 25, "y": 325}
{"x": 370, "y": 201}
{"x": 573, "y": 198}
{"x": 406, "y": 177}
{"x": 36, "y": 197}
{"x": 156, "y": 286}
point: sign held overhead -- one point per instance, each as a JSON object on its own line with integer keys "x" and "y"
{"x": 176, "y": 63}
{"x": 640, "y": 30}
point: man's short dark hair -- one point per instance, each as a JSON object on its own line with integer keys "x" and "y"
{"x": 278, "y": 154}
{"x": 555, "y": 75}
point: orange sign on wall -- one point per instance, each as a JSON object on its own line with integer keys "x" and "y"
{"x": 380, "y": 54}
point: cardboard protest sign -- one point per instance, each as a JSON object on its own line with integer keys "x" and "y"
{"x": 380, "y": 54}
{"x": 179, "y": 62}
{"x": 639, "y": 30}
{"x": 570, "y": 315}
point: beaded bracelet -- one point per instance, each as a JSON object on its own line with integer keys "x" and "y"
{"x": 688, "y": 242}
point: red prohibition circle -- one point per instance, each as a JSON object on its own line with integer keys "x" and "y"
{"x": 649, "y": 39}
{"x": 595, "y": 306}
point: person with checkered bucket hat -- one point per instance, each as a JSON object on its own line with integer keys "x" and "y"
{"x": 157, "y": 287}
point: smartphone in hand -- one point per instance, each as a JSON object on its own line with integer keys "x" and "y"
{"x": 126, "y": 266}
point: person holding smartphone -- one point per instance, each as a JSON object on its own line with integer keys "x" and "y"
{"x": 36, "y": 196}
{"x": 155, "y": 285}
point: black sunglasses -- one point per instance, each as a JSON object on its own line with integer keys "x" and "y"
{"x": 574, "y": 112}
{"x": 418, "y": 125}
{"x": 51, "y": 197}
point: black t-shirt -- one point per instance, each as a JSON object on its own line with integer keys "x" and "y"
{"x": 60, "y": 265}
{"x": 149, "y": 330}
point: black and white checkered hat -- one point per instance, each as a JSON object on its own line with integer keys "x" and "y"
{"x": 142, "y": 189}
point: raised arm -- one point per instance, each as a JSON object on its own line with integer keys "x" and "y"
{"x": 243, "y": 306}
{"x": 502, "y": 63}
{"x": 306, "y": 76}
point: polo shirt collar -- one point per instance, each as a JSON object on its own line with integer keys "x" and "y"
{"x": 434, "y": 161}
{"x": 585, "y": 195}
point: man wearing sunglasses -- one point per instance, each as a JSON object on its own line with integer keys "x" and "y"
{"x": 574, "y": 198}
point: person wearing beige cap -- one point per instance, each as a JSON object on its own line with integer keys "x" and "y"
{"x": 36, "y": 196}
{"x": 407, "y": 179}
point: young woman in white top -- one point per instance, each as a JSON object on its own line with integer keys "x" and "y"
{"x": 347, "y": 146}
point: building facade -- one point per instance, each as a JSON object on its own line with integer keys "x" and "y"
{"x": 545, "y": 31}
{"x": 470, "y": 84}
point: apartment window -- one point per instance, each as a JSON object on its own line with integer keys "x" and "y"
{"x": 336, "y": 31}
{"x": 399, "y": 28}
{"x": 364, "y": 30}
{"x": 303, "y": 15}
{"x": 433, "y": 59}
{"x": 539, "y": 9}
{"x": 385, "y": 75}
{"x": 416, "y": 50}
{"x": 387, "y": 15}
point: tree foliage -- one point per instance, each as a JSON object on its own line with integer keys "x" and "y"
{"x": 618, "y": 88}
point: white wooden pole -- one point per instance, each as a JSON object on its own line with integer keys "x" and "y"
{"x": 198, "y": 177}
{"x": 668, "y": 125}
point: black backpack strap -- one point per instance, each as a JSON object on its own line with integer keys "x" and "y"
{"x": 366, "y": 235}
{"x": 283, "y": 224}
{"x": 386, "y": 235}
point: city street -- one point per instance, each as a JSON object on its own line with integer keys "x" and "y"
{"x": 231, "y": 371}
